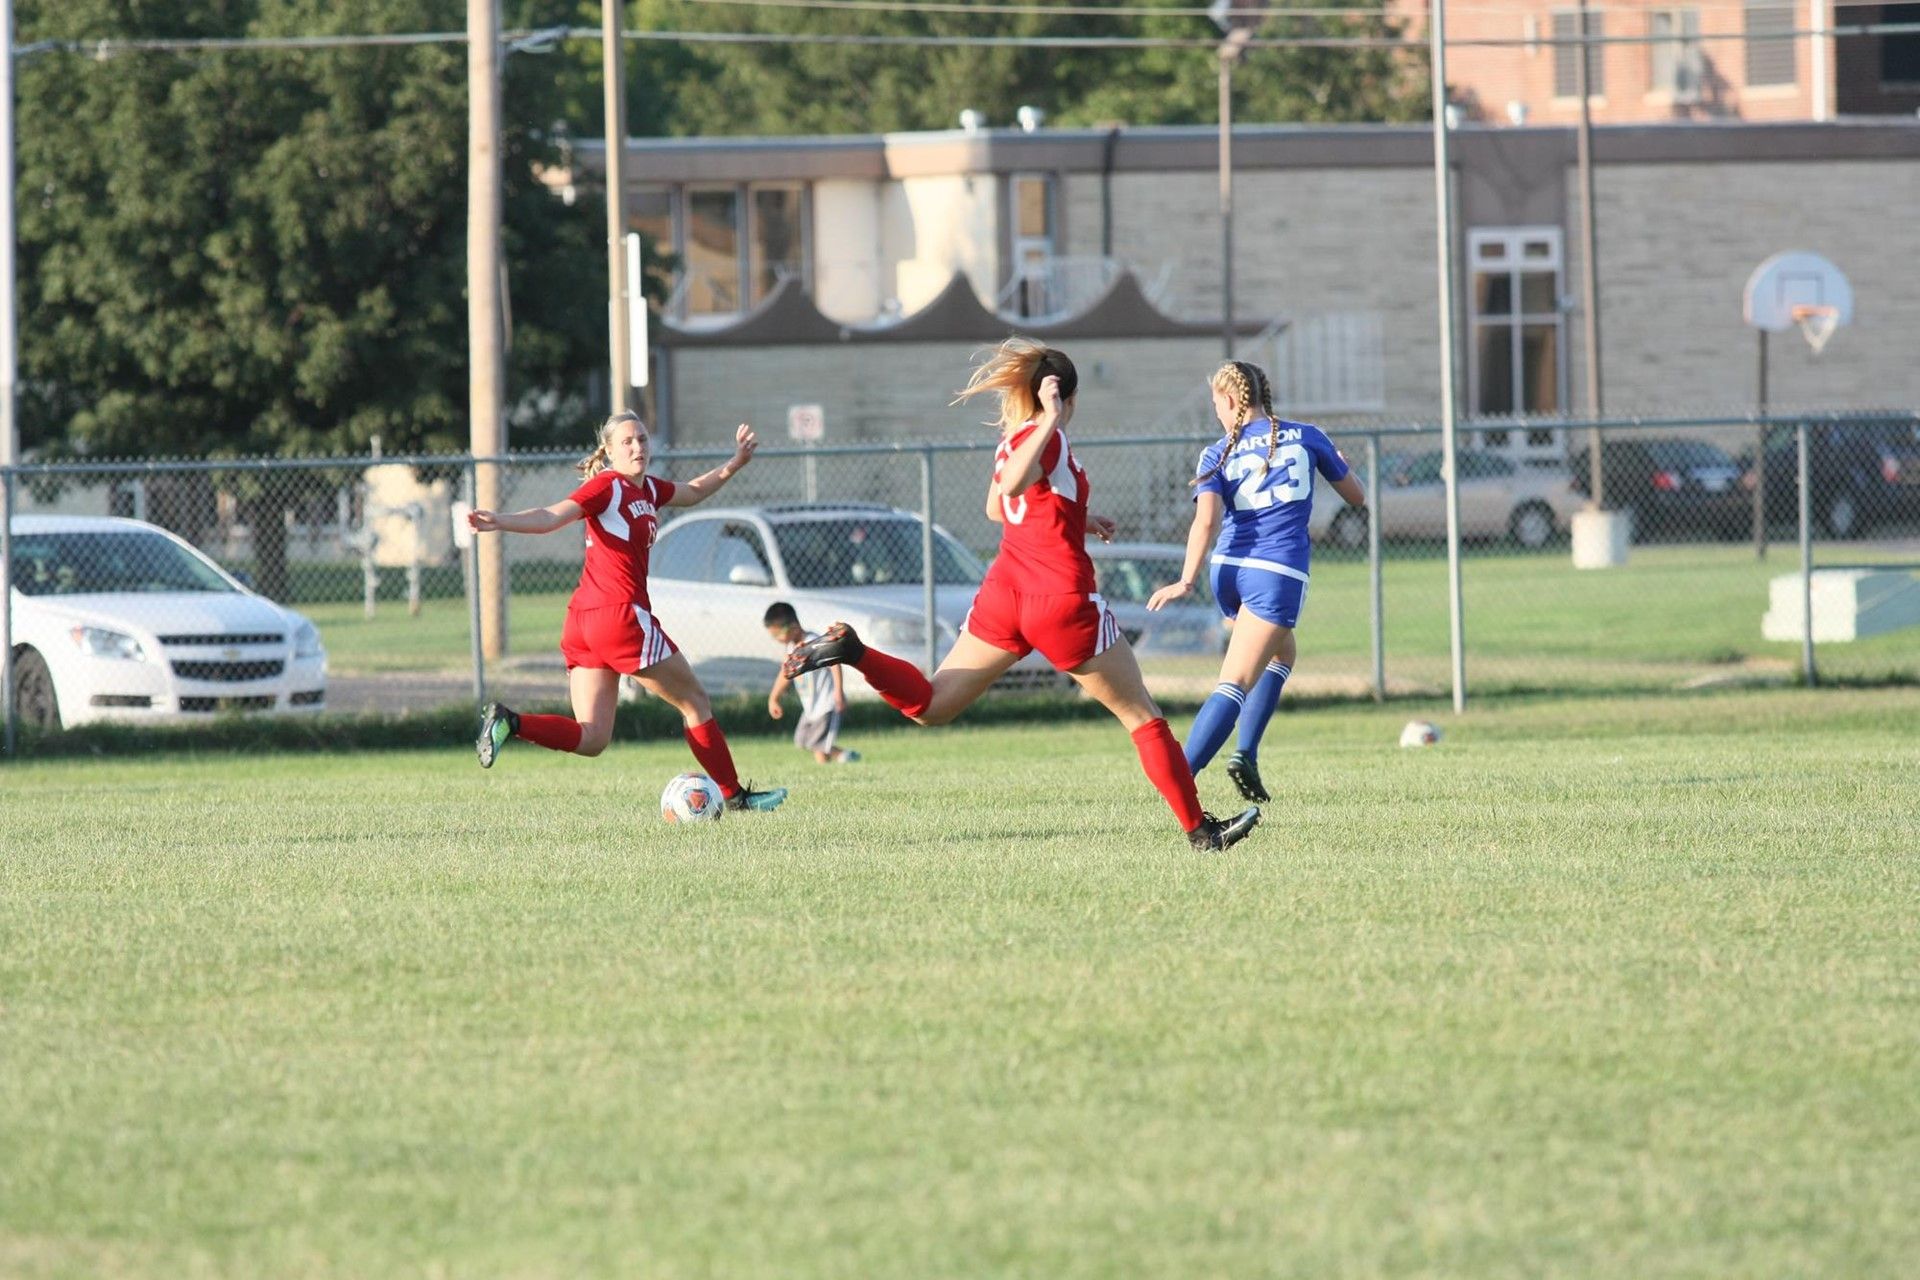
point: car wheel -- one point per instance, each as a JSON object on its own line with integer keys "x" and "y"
{"x": 33, "y": 695}
{"x": 1348, "y": 530}
{"x": 1842, "y": 518}
{"x": 1532, "y": 526}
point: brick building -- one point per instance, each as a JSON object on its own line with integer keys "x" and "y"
{"x": 1656, "y": 60}
{"x": 860, "y": 273}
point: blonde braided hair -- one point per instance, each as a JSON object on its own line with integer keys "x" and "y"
{"x": 1237, "y": 380}
{"x": 597, "y": 461}
{"x": 1266, "y": 406}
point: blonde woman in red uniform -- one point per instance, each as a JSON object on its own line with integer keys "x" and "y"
{"x": 1039, "y": 594}
{"x": 610, "y": 629}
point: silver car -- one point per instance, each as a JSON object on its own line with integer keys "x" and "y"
{"x": 1499, "y": 498}
{"x": 714, "y": 571}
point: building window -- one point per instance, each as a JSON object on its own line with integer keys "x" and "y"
{"x": 735, "y": 244}
{"x": 650, "y": 212}
{"x": 710, "y": 251}
{"x": 1677, "y": 60}
{"x": 1900, "y": 54}
{"x": 1770, "y": 57}
{"x": 776, "y": 238}
{"x": 1031, "y": 215}
{"x": 1566, "y": 71}
{"x": 1517, "y": 328}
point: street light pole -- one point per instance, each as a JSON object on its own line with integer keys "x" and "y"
{"x": 619, "y": 338}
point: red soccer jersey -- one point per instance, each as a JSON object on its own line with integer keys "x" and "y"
{"x": 622, "y": 520}
{"x": 1043, "y": 540}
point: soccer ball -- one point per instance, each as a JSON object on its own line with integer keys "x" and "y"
{"x": 1419, "y": 733}
{"x": 692, "y": 797}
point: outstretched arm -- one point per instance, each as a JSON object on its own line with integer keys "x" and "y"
{"x": 704, "y": 486}
{"x": 1206, "y": 520}
{"x": 532, "y": 520}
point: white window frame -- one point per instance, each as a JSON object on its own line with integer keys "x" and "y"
{"x": 1685, "y": 57}
{"x": 1514, "y": 242}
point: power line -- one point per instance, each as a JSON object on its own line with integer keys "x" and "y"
{"x": 1062, "y": 10}
{"x": 537, "y": 41}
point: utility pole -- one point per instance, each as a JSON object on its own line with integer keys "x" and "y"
{"x": 1589, "y": 265}
{"x": 618, "y": 318}
{"x": 1449, "y": 394}
{"x": 486, "y": 378}
{"x": 1237, "y": 20}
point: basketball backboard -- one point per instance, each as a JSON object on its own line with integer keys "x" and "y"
{"x": 1796, "y": 279}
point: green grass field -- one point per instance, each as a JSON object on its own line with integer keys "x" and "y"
{"x": 1609, "y": 988}
{"x": 1672, "y": 614}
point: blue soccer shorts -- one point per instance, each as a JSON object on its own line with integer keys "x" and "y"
{"x": 1272, "y": 592}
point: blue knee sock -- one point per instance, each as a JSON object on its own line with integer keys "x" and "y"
{"x": 1213, "y": 723}
{"x": 1259, "y": 708}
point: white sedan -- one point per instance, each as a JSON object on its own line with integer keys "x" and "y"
{"x": 122, "y": 620}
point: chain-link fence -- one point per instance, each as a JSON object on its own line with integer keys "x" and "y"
{"x": 181, "y": 591}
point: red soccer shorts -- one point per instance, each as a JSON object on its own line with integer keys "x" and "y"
{"x": 621, "y": 637}
{"x": 1066, "y": 629}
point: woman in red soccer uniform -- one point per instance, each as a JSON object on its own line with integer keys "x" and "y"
{"x": 611, "y": 630}
{"x": 1039, "y": 594}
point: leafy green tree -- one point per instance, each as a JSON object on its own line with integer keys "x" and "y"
{"x": 824, "y": 88}
{"x": 265, "y": 251}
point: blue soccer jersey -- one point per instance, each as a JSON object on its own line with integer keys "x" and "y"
{"x": 1268, "y": 500}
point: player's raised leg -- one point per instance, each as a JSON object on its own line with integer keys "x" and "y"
{"x": 1113, "y": 679}
{"x": 673, "y": 682}
{"x": 969, "y": 670}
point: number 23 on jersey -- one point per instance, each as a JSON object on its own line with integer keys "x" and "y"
{"x": 1258, "y": 484}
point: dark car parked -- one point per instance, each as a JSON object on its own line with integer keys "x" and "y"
{"x": 1860, "y": 474}
{"x": 1673, "y": 486}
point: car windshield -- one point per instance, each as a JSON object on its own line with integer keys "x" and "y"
{"x": 868, "y": 551}
{"x": 71, "y": 564}
{"x": 1688, "y": 453}
{"x": 1134, "y": 579}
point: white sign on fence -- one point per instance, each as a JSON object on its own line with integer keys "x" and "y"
{"x": 806, "y": 423}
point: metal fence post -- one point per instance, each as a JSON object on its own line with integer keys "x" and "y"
{"x": 1806, "y": 560}
{"x": 926, "y": 556}
{"x": 7, "y": 709}
{"x": 469, "y": 555}
{"x": 1378, "y": 612}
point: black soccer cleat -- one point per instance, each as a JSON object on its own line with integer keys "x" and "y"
{"x": 1213, "y": 834}
{"x": 761, "y": 801}
{"x": 1244, "y": 771}
{"x": 836, "y": 645}
{"x": 497, "y": 724}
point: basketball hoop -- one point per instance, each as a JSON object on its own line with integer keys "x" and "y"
{"x": 1817, "y": 323}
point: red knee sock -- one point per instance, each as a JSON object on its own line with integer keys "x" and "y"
{"x": 709, "y": 747}
{"x": 1166, "y": 767}
{"x": 896, "y": 680}
{"x": 556, "y": 733}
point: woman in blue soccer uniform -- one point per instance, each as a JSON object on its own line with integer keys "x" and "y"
{"x": 1258, "y": 480}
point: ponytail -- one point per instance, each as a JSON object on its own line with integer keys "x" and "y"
{"x": 597, "y": 461}
{"x": 1014, "y": 371}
